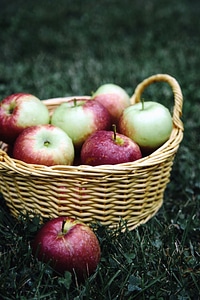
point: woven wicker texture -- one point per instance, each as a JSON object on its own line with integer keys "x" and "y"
{"x": 132, "y": 191}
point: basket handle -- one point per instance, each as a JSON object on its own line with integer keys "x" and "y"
{"x": 178, "y": 97}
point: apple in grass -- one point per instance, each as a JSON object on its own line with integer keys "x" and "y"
{"x": 114, "y": 98}
{"x": 44, "y": 145}
{"x": 19, "y": 111}
{"x": 148, "y": 123}
{"x": 67, "y": 244}
{"x": 79, "y": 118}
{"x": 109, "y": 147}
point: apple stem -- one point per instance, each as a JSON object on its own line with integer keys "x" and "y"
{"x": 114, "y": 131}
{"x": 63, "y": 225}
{"x": 46, "y": 143}
{"x": 142, "y": 100}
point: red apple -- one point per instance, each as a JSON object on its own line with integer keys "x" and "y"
{"x": 108, "y": 147}
{"x": 44, "y": 145}
{"x": 19, "y": 111}
{"x": 114, "y": 98}
{"x": 148, "y": 123}
{"x": 68, "y": 245}
{"x": 80, "y": 118}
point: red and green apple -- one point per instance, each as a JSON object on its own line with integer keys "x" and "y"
{"x": 19, "y": 111}
{"x": 44, "y": 145}
{"x": 114, "y": 98}
{"x": 80, "y": 118}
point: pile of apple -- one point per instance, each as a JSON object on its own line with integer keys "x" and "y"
{"x": 105, "y": 129}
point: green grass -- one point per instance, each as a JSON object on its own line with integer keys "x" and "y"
{"x": 57, "y": 48}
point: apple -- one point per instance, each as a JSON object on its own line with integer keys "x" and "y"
{"x": 114, "y": 98}
{"x": 19, "y": 111}
{"x": 109, "y": 147}
{"x": 148, "y": 123}
{"x": 67, "y": 244}
{"x": 44, "y": 145}
{"x": 79, "y": 118}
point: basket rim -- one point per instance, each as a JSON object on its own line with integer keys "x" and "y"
{"x": 168, "y": 149}
{"x": 149, "y": 160}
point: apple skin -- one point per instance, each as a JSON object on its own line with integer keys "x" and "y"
{"x": 67, "y": 244}
{"x": 80, "y": 118}
{"x": 114, "y": 98}
{"x": 19, "y": 111}
{"x": 101, "y": 148}
{"x": 44, "y": 145}
{"x": 149, "y": 127}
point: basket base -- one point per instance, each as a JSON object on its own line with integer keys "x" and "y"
{"x": 129, "y": 222}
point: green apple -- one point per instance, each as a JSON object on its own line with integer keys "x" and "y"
{"x": 149, "y": 124}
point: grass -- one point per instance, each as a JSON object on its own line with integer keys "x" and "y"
{"x": 68, "y": 47}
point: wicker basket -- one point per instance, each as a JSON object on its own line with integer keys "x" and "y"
{"x": 132, "y": 192}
